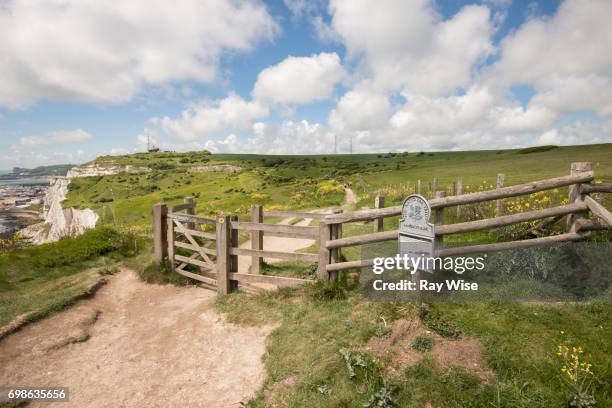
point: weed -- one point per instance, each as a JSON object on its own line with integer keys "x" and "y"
{"x": 422, "y": 343}
{"x": 324, "y": 291}
{"x": 383, "y": 398}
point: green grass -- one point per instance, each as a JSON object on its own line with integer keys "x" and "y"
{"x": 42, "y": 279}
{"x": 305, "y": 367}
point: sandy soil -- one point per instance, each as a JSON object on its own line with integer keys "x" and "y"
{"x": 139, "y": 345}
{"x": 278, "y": 244}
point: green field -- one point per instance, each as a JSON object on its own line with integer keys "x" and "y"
{"x": 300, "y": 182}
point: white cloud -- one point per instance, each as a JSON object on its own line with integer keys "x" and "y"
{"x": 576, "y": 41}
{"x": 290, "y": 138}
{"x": 578, "y": 133}
{"x": 225, "y": 115}
{"x": 299, "y": 80}
{"x": 360, "y": 109}
{"x": 407, "y": 45}
{"x": 106, "y": 52}
{"x": 56, "y": 137}
{"x": 516, "y": 119}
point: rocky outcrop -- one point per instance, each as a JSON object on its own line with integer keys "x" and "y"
{"x": 229, "y": 168}
{"x": 59, "y": 222}
{"x": 93, "y": 170}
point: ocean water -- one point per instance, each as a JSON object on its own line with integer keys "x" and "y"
{"x": 24, "y": 181}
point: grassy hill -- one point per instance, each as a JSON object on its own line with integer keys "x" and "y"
{"x": 313, "y": 181}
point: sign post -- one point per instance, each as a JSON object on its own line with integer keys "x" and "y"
{"x": 416, "y": 234}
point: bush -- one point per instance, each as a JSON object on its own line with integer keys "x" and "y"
{"x": 93, "y": 243}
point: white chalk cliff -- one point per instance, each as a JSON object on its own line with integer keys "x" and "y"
{"x": 59, "y": 222}
{"x": 93, "y": 170}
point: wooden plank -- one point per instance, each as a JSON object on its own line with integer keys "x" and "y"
{"x": 591, "y": 225}
{"x": 379, "y": 202}
{"x": 201, "y": 234}
{"x": 362, "y": 239}
{"x": 288, "y": 234}
{"x": 195, "y": 276}
{"x": 256, "y": 239}
{"x": 438, "y": 220}
{"x": 223, "y": 255}
{"x": 160, "y": 232}
{"x": 181, "y": 207}
{"x": 252, "y": 226}
{"x": 191, "y": 218}
{"x": 499, "y": 204}
{"x": 596, "y": 188}
{"x": 569, "y": 236}
{"x": 294, "y": 256}
{"x": 324, "y": 253}
{"x": 294, "y": 214}
{"x": 349, "y": 265}
{"x": 574, "y": 195}
{"x": 512, "y": 191}
{"x": 197, "y": 262}
{"x": 280, "y": 281}
{"x": 509, "y": 219}
{"x": 196, "y": 249}
{"x": 170, "y": 242}
{"x": 598, "y": 209}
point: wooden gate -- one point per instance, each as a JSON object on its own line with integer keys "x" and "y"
{"x": 192, "y": 246}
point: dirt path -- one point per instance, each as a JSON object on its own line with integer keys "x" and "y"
{"x": 350, "y": 199}
{"x": 149, "y": 346}
{"x": 278, "y": 244}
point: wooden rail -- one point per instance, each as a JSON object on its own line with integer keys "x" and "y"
{"x": 505, "y": 192}
{"x": 579, "y": 227}
{"x": 294, "y": 214}
{"x": 293, "y": 231}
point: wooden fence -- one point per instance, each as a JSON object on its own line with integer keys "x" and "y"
{"x": 213, "y": 247}
{"x": 577, "y": 210}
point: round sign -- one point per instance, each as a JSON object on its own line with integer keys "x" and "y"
{"x": 416, "y": 209}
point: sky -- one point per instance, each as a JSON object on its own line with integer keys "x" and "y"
{"x": 83, "y": 78}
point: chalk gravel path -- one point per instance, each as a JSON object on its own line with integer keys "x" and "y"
{"x": 149, "y": 346}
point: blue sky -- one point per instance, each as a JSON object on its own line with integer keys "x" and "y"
{"x": 292, "y": 76}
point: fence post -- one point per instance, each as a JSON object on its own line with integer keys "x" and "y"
{"x": 418, "y": 187}
{"x": 336, "y": 233}
{"x": 574, "y": 193}
{"x": 453, "y": 189}
{"x": 379, "y": 202}
{"x": 223, "y": 255}
{"x": 171, "y": 238}
{"x": 233, "y": 259}
{"x": 256, "y": 239}
{"x": 324, "y": 253}
{"x": 500, "y": 203}
{"x": 190, "y": 210}
{"x": 160, "y": 228}
{"x": 438, "y": 220}
{"x": 435, "y": 185}
{"x": 459, "y": 192}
